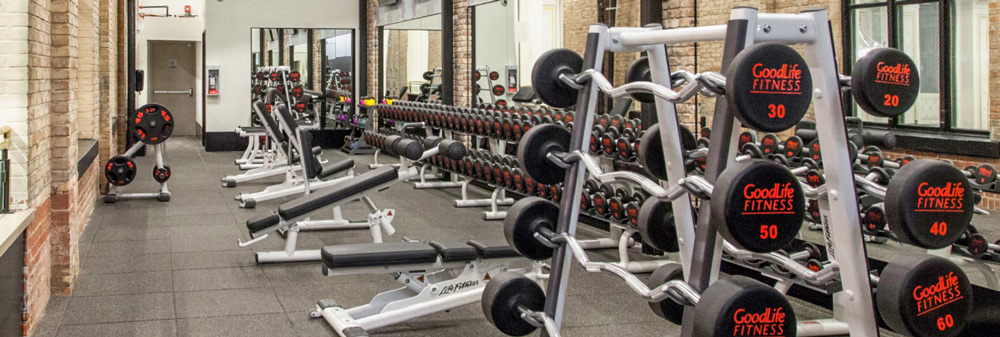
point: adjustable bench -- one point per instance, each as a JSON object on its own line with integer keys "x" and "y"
{"x": 313, "y": 169}
{"x": 436, "y": 276}
{"x": 253, "y": 156}
{"x": 288, "y": 215}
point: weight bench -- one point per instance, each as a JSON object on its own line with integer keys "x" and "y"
{"x": 294, "y": 183}
{"x": 275, "y": 158}
{"x": 253, "y": 156}
{"x": 288, "y": 215}
{"x": 436, "y": 276}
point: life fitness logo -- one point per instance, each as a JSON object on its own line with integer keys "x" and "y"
{"x": 777, "y": 199}
{"x": 898, "y": 74}
{"x": 947, "y": 198}
{"x": 932, "y": 297}
{"x": 770, "y": 322}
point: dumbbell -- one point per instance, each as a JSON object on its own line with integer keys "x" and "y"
{"x": 976, "y": 246}
{"x": 595, "y": 139}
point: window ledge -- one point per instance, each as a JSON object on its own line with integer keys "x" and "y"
{"x": 948, "y": 144}
{"x": 12, "y": 225}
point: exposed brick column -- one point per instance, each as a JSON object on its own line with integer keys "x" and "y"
{"x": 37, "y": 248}
{"x": 108, "y": 76}
{"x": 462, "y": 53}
{"x": 89, "y": 87}
{"x": 317, "y": 57}
{"x": 371, "y": 28}
{"x": 285, "y": 50}
{"x": 65, "y": 133}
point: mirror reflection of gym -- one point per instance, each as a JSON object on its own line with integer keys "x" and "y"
{"x": 324, "y": 60}
{"x": 411, "y": 59}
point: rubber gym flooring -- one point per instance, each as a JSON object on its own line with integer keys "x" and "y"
{"x": 152, "y": 268}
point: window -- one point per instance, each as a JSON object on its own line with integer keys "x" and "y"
{"x": 954, "y": 94}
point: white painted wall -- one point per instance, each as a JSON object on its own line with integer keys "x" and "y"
{"x": 152, "y": 28}
{"x": 228, "y": 45}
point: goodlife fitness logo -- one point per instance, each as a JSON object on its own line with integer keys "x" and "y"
{"x": 770, "y": 322}
{"x": 947, "y": 198}
{"x": 931, "y": 297}
{"x": 898, "y": 74}
{"x": 777, "y": 199}
{"x": 786, "y": 79}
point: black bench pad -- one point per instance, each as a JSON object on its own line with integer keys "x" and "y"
{"x": 262, "y": 222}
{"x": 332, "y": 194}
{"x": 378, "y": 254}
{"x": 454, "y": 251}
{"x": 334, "y": 168}
{"x": 493, "y": 251}
{"x": 253, "y": 129}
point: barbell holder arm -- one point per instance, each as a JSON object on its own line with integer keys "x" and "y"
{"x": 818, "y": 278}
{"x": 685, "y": 93}
{"x": 689, "y": 295}
{"x": 539, "y": 320}
{"x": 698, "y": 186}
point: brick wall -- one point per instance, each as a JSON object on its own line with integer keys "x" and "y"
{"x": 88, "y": 90}
{"x": 462, "y": 53}
{"x": 317, "y": 60}
{"x": 395, "y": 60}
{"x": 65, "y": 135}
{"x": 109, "y": 82}
{"x": 71, "y": 55}
{"x": 577, "y": 17}
{"x": 37, "y": 258}
{"x": 371, "y": 29}
{"x": 433, "y": 50}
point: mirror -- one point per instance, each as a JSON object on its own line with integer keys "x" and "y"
{"x": 411, "y": 59}
{"x": 324, "y": 59}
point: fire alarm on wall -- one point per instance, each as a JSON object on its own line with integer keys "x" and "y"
{"x": 187, "y": 10}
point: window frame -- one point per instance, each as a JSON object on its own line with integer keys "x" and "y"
{"x": 945, "y": 66}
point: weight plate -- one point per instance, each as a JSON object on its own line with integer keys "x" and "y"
{"x": 667, "y": 308}
{"x": 651, "y": 150}
{"x": 873, "y": 219}
{"x": 924, "y": 296}
{"x": 769, "y": 86}
{"x": 533, "y": 148}
{"x": 494, "y": 75}
{"x": 741, "y": 306}
{"x": 294, "y": 76}
{"x": 769, "y": 143}
{"x": 120, "y": 170}
{"x": 545, "y": 77}
{"x": 793, "y": 146}
{"x": 885, "y": 82}
{"x": 638, "y": 71}
{"x": 161, "y": 175}
{"x": 523, "y": 220}
{"x": 503, "y": 296}
{"x": 656, "y": 225}
{"x": 152, "y": 123}
{"x": 746, "y": 137}
{"x": 758, "y": 205}
{"x": 985, "y": 174}
{"x": 929, "y": 203}
{"x": 498, "y": 90}
{"x": 428, "y": 75}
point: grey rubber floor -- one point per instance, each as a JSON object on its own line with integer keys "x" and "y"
{"x": 152, "y": 268}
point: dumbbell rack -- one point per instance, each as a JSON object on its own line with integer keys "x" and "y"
{"x": 746, "y": 27}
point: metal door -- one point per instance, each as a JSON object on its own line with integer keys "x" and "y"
{"x": 171, "y": 82}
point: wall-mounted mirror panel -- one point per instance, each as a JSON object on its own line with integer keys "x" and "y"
{"x": 411, "y": 59}
{"x": 323, "y": 60}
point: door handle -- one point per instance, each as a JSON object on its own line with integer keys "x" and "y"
{"x": 189, "y": 92}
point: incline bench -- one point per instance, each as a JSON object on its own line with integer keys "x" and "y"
{"x": 288, "y": 213}
{"x": 436, "y": 276}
